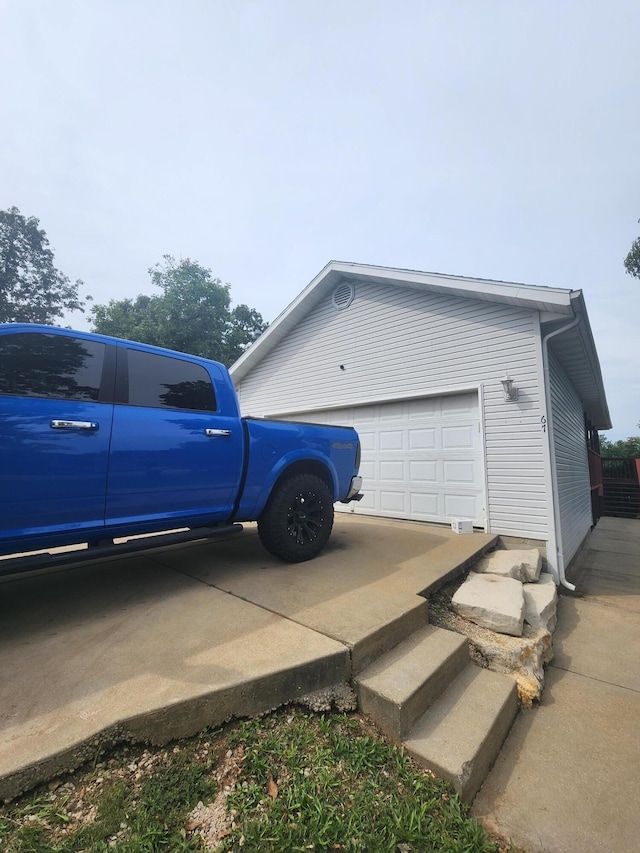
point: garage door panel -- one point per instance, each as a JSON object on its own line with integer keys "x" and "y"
{"x": 463, "y": 506}
{"x": 425, "y": 506}
{"x": 421, "y": 458}
{"x": 367, "y": 440}
{"x": 455, "y": 472}
{"x": 368, "y": 470}
{"x": 422, "y": 439}
{"x": 392, "y": 470}
{"x": 423, "y": 472}
{"x": 393, "y": 501}
{"x": 460, "y": 405}
{"x": 369, "y": 502}
{"x": 391, "y": 440}
{"x": 458, "y": 437}
{"x": 427, "y": 407}
{"x": 391, "y": 412}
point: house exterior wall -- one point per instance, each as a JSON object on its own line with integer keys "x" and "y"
{"x": 571, "y": 462}
{"x": 398, "y": 342}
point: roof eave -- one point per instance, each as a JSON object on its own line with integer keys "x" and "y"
{"x": 603, "y": 420}
{"x": 277, "y": 330}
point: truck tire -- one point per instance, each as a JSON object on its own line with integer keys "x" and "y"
{"x": 297, "y": 520}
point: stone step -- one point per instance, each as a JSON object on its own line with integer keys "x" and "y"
{"x": 461, "y": 734}
{"x": 397, "y": 688}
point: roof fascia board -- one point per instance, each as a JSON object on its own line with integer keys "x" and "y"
{"x": 464, "y": 285}
{"x": 278, "y": 329}
{"x": 584, "y": 330}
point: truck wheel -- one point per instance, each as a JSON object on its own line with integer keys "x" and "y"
{"x": 297, "y": 520}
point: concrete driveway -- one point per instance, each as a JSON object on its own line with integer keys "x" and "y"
{"x": 568, "y": 777}
{"x": 159, "y": 645}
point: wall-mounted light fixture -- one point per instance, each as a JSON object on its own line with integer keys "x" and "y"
{"x": 510, "y": 393}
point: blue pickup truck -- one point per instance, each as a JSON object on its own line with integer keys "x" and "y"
{"x": 102, "y": 438}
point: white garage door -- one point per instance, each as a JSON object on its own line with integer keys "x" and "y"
{"x": 421, "y": 459}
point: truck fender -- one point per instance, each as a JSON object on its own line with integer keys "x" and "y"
{"x": 295, "y": 462}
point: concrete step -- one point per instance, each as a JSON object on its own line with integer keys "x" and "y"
{"x": 396, "y": 689}
{"x": 461, "y": 734}
{"x": 378, "y": 620}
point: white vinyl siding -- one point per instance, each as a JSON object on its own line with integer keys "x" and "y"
{"x": 398, "y": 342}
{"x": 571, "y": 462}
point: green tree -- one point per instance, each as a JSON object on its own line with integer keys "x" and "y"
{"x": 632, "y": 261}
{"x": 623, "y": 447}
{"x": 193, "y": 314}
{"x": 138, "y": 319}
{"x": 32, "y": 290}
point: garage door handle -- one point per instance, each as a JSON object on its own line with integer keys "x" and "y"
{"x": 213, "y": 433}
{"x": 90, "y": 425}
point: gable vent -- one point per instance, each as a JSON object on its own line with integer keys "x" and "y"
{"x": 343, "y": 296}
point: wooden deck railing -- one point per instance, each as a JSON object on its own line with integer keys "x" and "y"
{"x": 621, "y": 486}
{"x": 621, "y": 468}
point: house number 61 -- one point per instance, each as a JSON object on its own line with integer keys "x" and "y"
{"x": 543, "y": 422}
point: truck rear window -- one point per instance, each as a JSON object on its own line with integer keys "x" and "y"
{"x": 159, "y": 381}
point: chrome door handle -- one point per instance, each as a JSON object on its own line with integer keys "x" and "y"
{"x": 212, "y": 433}
{"x": 57, "y": 424}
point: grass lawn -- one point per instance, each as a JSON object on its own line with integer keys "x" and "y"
{"x": 288, "y": 781}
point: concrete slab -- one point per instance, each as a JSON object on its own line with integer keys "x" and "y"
{"x": 618, "y": 528}
{"x": 612, "y": 544}
{"x": 568, "y": 776}
{"x": 598, "y": 641}
{"x": 362, "y": 551}
{"x": 624, "y": 526}
{"x": 161, "y": 645}
{"x": 609, "y": 578}
{"x": 127, "y": 648}
{"x": 605, "y": 562}
{"x": 368, "y": 579}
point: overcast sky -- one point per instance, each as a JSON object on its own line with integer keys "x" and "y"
{"x": 263, "y": 138}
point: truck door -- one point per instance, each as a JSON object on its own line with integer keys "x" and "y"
{"x": 173, "y": 453}
{"x": 54, "y": 432}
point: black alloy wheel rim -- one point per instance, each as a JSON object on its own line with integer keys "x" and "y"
{"x": 305, "y": 517}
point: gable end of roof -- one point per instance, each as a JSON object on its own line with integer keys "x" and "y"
{"x": 575, "y": 349}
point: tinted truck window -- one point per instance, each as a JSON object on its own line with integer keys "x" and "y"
{"x": 158, "y": 381}
{"x": 56, "y": 366}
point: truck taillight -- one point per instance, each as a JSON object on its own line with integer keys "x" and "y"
{"x": 358, "y": 457}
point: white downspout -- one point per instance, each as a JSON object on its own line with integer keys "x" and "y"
{"x": 552, "y": 455}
